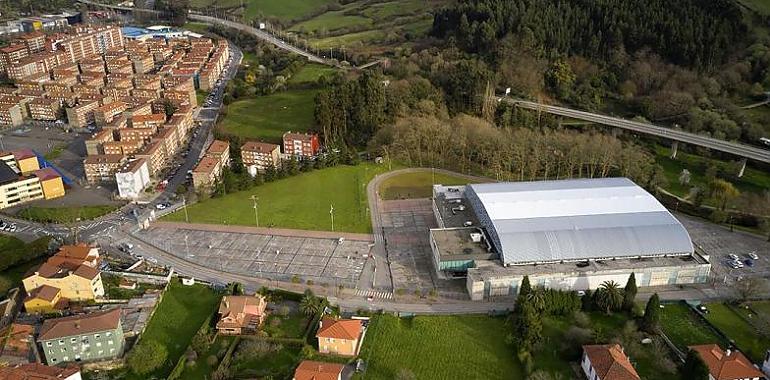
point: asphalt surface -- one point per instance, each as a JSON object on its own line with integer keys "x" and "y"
{"x": 741, "y": 150}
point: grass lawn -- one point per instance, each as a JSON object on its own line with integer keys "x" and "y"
{"x": 64, "y": 214}
{"x": 331, "y": 21}
{"x": 267, "y": 117}
{"x": 200, "y": 96}
{"x": 684, "y": 327}
{"x": 55, "y": 152}
{"x": 292, "y": 326}
{"x": 11, "y": 277}
{"x": 746, "y": 336}
{"x": 311, "y": 72}
{"x": 201, "y": 370}
{"x": 348, "y": 39}
{"x": 300, "y": 202}
{"x": 283, "y": 9}
{"x": 416, "y": 185}
{"x": 177, "y": 318}
{"x": 753, "y": 180}
{"x": 762, "y": 307}
{"x": 277, "y": 365}
{"x": 197, "y": 27}
{"x": 457, "y": 347}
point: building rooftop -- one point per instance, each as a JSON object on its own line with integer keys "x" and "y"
{"x": 46, "y": 174}
{"x": 44, "y": 292}
{"x": 459, "y": 244}
{"x": 132, "y": 166}
{"x": 7, "y": 175}
{"x": 218, "y": 147}
{"x": 104, "y": 159}
{"x": 576, "y": 219}
{"x": 37, "y": 371}
{"x": 312, "y": 370}
{"x": 206, "y": 165}
{"x": 726, "y": 365}
{"x": 348, "y": 329}
{"x": 80, "y": 324}
{"x": 610, "y": 362}
{"x": 258, "y": 146}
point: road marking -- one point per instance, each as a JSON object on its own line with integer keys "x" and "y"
{"x": 374, "y": 294}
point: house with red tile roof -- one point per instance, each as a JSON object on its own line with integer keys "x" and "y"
{"x": 340, "y": 336}
{"x": 312, "y": 370}
{"x": 37, "y": 371}
{"x": 241, "y": 314}
{"x": 727, "y": 365}
{"x": 607, "y": 362}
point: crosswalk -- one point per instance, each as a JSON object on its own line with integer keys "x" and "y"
{"x": 374, "y": 294}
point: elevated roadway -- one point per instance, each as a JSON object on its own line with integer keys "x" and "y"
{"x": 737, "y": 149}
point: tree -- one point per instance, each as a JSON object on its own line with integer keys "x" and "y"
{"x": 528, "y": 327}
{"x": 587, "y": 301}
{"x": 748, "y": 288}
{"x": 169, "y": 108}
{"x": 694, "y": 367}
{"x": 651, "y": 317}
{"x": 722, "y": 192}
{"x": 525, "y": 288}
{"x": 310, "y": 304}
{"x": 629, "y": 293}
{"x": 609, "y": 297}
{"x": 146, "y": 357}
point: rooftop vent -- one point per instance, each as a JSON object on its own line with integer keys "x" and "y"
{"x": 476, "y": 237}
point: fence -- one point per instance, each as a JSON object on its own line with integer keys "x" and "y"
{"x": 147, "y": 278}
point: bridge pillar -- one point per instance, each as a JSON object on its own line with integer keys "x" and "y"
{"x": 743, "y": 168}
{"x": 674, "y": 148}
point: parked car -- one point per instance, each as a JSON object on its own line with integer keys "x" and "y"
{"x": 733, "y": 257}
{"x": 736, "y": 264}
{"x": 753, "y": 256}
{"x": 160, "y": 206}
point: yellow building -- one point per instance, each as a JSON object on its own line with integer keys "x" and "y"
{"x": 45, "y": 299}
{"x": 26, "y": 160}
{"x": 16, "y": 189}
{"x": 77, "y": 284}
{"x": 51, "y": 182}
{"x": 340, "y": 336}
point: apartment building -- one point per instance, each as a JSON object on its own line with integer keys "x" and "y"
{"x": 82, "y": 338}
{"x": 155, "y": 154}
{"x": 133, "y": 178}
{"x": 102, "y": 167}
{"x": 82, "y": 114}
{"x": 170, "y": 138}
{"x": 122, "y": 147}
{"x": 88, "y": 41}
{"x": 258, "y": 156}
{"x": 26, "y": 160}
{"x": 210, "y": 167}
{"x": 153, "y": 120}
{"x": 220, "y": 150}
{"x": 50, "y": 182}
{"x": 106, "y": 113}
{"x": 143, "y": 63}
{"x": 34, "y": 42}
{"x": 16, "y": 189}
{"x": 45, "y": 109}
{"x": 11, "y": 53}
{"x": 303, "y": 145}
{"x": 94, "y": 144}
{"x": 10, "y": 115}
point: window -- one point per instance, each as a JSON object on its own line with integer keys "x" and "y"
{"x": 61, "y": 342}
{"x": 109, "y": 342}
{"x": 98, "y": 344}
{"x": 65, "y": 358}
{"x": 48, "y": 344}
{"x": 112, "y": 350}
{"x": 73, "y": 340}
{"x": 53, "y": 360}
{"x": 109, "y": 333}
{"x": 96, "y": 336}
{"x": 101, "y": 352}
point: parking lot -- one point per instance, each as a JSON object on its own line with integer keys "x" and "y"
{"x": 718, "y": 242}
{"x": 325, "y": 260}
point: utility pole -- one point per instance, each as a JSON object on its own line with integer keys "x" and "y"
{"x": 331, "y": 212}
{"x": 184, "y": 206}
{"x": 256, "y": 209}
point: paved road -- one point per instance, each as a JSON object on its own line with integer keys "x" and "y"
{"x": 740, "y": 150}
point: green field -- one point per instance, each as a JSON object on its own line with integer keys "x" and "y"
{"x": 302, "y": 201}
{"x": 177, "y": 318}
{"x": 284, "y": 9}
{"x": 439, "y": 347}
{"x": 416, "y": 185}
{"x": 331, "y": 21}
{"x": 348, "y": 39}
{"x": 746, "y": 337}
{"x": 311, "y": 72}
{"x": 197, "y": 27}
{"x": 684, "y": 327}
{"x": 753, "y": 180}
{"x": 64, "y": 214}
{"x": 267, "y": 117}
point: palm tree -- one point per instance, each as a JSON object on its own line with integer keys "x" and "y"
{"x": 310, "y": 304}
{"x": 609, "y": 297}
{"x": 537, "y": 299}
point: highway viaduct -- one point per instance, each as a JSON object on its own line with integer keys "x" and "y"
{"x": 674, "y": 135}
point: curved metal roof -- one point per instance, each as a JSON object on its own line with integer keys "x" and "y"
{"x": 576, "y": 219}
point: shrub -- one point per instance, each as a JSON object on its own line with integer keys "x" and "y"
{"x": 212, "y": 360}
{"x": 147, "y": 356}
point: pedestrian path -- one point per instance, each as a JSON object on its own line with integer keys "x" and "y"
{"x": 374, "y": 294}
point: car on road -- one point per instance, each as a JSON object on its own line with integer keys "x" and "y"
{"x": 13, "y": 227}
{"x": 160, "y": 206}
{"x": 753, "y": 255}
{"x": 733, "y": 257}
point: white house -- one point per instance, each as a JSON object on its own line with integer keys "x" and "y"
{"x": 607, "y": 362}
{"x": 133, "y": 178}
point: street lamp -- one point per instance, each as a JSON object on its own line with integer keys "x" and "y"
{"x": 256, "y": 209}
{"x": 331, "y": 212}
{"x": 184, "y": 206}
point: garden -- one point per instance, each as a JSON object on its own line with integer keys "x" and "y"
{"x": 685, "y": 328}
{"x": 749, "y": 330}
